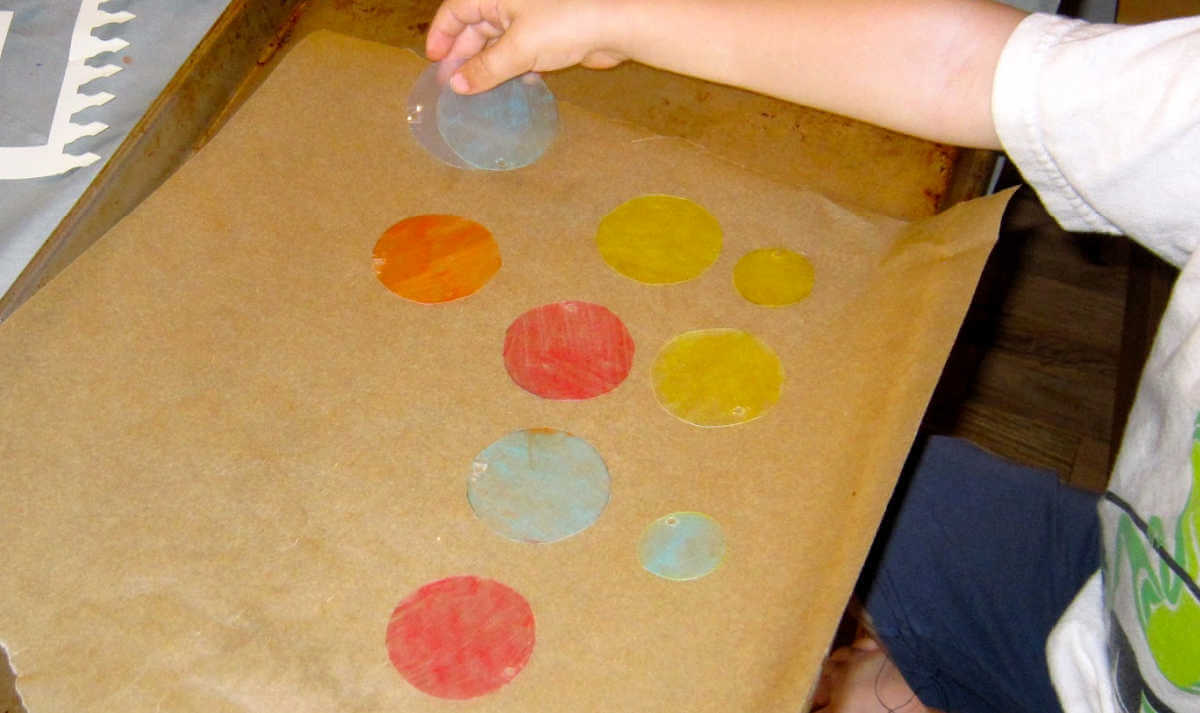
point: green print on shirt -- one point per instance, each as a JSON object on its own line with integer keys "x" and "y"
{"x": 1168, "y": 612}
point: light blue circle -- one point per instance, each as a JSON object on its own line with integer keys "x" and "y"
{"x": 504, "y": 128}
{"x": 682, "y": 546}
{"x": 538, "y": 485}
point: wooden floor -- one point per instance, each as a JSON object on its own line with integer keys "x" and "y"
{"x": 1034, "y": 373}
{"x": 1047, "y": 361}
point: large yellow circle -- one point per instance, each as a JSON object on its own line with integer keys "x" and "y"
{"x": 717, "y": 377}
{"x": 659, "y": 239}
{"x": 773, "y": 277}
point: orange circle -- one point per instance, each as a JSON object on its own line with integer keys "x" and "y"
{"x": 436, "y": 258}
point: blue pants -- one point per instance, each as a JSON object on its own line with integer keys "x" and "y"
{"x": 975, "y": 562}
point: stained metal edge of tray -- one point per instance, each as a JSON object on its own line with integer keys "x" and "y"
{"x": 205, "y": 89}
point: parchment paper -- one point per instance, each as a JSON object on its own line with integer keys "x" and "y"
{"x": 228, "y": 451}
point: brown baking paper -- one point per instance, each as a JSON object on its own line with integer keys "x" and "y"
{"x": 228, "y": 451}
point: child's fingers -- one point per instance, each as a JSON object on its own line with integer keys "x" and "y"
{"x": 472, "y": 41}
{"x": 438, "y": 44}
{"x": 498, "y": 63}
{"x": 443, "y": 30}
{"x": 454, "y": 20}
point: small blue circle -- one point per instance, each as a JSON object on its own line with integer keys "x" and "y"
{"x": 538, "y": 485}
{"x": 682, "y": 546}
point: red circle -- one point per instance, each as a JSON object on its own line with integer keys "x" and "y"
{"x": 568, "y": 350}
{"x": 460, "y": 637}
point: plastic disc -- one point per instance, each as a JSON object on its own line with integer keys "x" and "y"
{"x": 504, "y": 128}
{"x": 717, "y": 377}
{"x": 568, "y": 350}
{"x": 682, "y": 546}
{"x": 659, "y": 239}
{"x": 421, "y": 112}
{"x": 538, "y": 485}
{"x": 436, "y": 258}
{"x": 461, "y": 637}
{"x": 773, "y": 277}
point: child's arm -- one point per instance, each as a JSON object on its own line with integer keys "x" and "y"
{"x": 923, "y": 67}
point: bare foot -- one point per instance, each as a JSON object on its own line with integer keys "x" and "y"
{"x": 861, "y": 679}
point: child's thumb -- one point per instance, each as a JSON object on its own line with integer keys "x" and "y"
{"x": 492, "y": 66}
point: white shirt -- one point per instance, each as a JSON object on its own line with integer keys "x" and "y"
{"x": 1104, "y": 122}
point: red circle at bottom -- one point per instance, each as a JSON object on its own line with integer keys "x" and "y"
{"x": 461, "y": 637}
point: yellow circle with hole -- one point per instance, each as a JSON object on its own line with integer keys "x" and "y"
{"x": 717, "y": 377}
{"x": 773, "y": 277}
{"x": 659, "y": 239}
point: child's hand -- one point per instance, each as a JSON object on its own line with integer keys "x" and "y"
{"x": 501, "y": 39}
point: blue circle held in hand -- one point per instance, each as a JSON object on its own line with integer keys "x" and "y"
{"x": 503, "y": 128}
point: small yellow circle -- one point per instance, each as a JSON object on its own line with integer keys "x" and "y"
{"x": 717, "y": 377}
{"x": 659, "y": 239}
{"x": 773, "y": 277}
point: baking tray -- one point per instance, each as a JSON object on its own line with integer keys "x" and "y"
{"x": 851, "y": 162}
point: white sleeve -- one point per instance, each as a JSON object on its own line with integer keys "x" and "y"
{"x": 1103, "y": 121}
